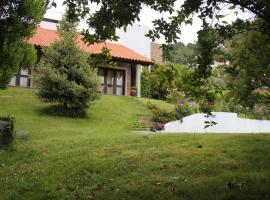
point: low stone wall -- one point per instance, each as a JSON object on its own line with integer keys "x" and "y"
{"x": 226, "y": 123}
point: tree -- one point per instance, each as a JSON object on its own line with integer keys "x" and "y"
{"x": 145, "y": 83}
{"x": 249, "y": 69}
{"x": 163, "y": 78}
{"x": 121, "y": 13}
{"x": 183, "y": 54}
{"x": 158, "y": 82}
{"x": 66, "y": 78}
{"x": 18, "y": 19}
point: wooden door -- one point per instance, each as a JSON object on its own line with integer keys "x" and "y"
{"x": 112, "y": 81}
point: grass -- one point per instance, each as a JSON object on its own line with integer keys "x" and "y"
{"x": 159, "y": 103}
{"x": 100, "y": 158}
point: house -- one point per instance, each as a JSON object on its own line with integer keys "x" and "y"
{"x": 120, "y": 80}
{"x": 156, "y": 53}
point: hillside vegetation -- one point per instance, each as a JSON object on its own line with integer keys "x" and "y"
{"x": 99, "y": 157}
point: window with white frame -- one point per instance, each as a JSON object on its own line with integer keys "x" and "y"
{"x": 22, "y": 79}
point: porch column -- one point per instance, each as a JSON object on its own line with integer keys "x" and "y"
{"x": 138, "y": 79}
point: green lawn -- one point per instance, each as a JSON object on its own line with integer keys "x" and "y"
{"x": 100, "y": 158}
{"x": 159, "y": 103}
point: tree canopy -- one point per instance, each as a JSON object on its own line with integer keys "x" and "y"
{"x": 65, "y": 76}
{"x": 18, "y": 20}
{"x": 121, "y": 13}
{"x": 183, "y": 54}
{"x": 249, "y": 69}
{"x": 214, "y": 31}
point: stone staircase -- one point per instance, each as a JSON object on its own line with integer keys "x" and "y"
{"x": 144, "y": 123}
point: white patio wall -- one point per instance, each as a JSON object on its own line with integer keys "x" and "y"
{"x": 227, "y": 123}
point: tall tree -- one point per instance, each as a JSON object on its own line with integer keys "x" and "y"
{"x": 249, "y": 69}
{"x": 18, "y": 20}
{"x": 183, "y": 54}
{"x": 66, "y": 78}
{"x": 121, "y": 13}
{"x": 215, "y": 30}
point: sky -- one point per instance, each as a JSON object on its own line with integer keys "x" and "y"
{"x": 147, "y": 15}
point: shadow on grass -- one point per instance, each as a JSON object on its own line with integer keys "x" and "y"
{"x": 61, "y": 111}
{"x": 7, "y": 146}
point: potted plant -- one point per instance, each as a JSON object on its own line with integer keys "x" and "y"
{"x": 133, "y": 91}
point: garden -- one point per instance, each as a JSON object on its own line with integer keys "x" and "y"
{"x": 63, "y": 140}
{"x": 99, "y": 157}
{"x": 227, "y": 87}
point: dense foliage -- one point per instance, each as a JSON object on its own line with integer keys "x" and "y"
{"x": 182, "y": 108}
{"x": 66, "y": 77}
{"x": 18, "y": 20}
{"x": 169, "y": 82}
{"x": 112, "y": 13}
{"x": 161, "y": 79}
{"x": 162, "y": 115}
{"x": 183, "y": 54}
{"x": 145, "y": 83}
{"x": 249, "y": 68}
{"x": 215, "y": 29}
{"x": 246, "y": 75}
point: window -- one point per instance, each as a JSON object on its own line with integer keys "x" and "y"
{"x": 112, "y": 81}
{"x": 21, "y": 78}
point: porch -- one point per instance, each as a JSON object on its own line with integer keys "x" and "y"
{"x": 122, "y": 80}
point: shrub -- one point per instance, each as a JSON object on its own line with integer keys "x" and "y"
{"x": 158, "y": 126}
{"x": 183, "y": 106}
{"x": 162, "y": 115}
{"x": 182, "y": 110}
{"x": 260, "y": 112}
{"x": 162, "y": 79}
{"x": 175, "y": 96}
{"x": 145, "y": 84}
{"x": 65, "y": 77}
{"x": 158, "y": 82}
{"x": 7, "y": 131}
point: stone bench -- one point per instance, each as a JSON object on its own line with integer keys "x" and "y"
{"x": 3, "y": 125}
{"x": 6, "y": 132}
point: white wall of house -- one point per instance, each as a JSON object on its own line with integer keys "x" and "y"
{"x": 52, "y": 14}
{"x": 48, "y": 25}
{"x": 135, "y": 39}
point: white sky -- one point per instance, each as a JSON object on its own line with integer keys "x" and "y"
{"x": 147, "y": 15}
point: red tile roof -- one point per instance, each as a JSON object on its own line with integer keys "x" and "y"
{"x": 45, "y": 37}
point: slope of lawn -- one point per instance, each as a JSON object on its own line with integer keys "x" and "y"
{"x": 161, "y": 104}
{"x": 100, "y": 158}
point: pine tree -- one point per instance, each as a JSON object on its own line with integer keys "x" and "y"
{"x": 18, "y": 20}
{"x": 66, "y": 78}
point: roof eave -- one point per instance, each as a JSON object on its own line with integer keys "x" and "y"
{"x": 119, "y": 59}
{"x": 127, "y": 60}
